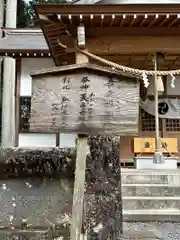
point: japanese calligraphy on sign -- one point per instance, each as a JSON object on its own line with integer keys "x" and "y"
{"x": 85, "y": 102}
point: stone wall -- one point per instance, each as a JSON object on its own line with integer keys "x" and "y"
{"x": 19, "y": 162}
{"x": 102, "y": 203}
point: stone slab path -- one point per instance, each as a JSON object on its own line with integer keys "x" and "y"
{"x": 151, "y": 230}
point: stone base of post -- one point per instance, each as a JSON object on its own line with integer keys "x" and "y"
{"x": 158, "y": 157}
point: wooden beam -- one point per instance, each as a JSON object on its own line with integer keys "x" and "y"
{"x": 127, "y": 44}
{"x": 55, "y": 27}
{"x": 108, "y": 9}
{"x": 134, "y": 31}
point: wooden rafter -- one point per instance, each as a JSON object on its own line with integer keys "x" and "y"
{"x": 133, "y": 20}
{"x": 102, "y": 20}
{"x": 166, "y": 19}
{"x": 144, "y": 20}
{"x": 122, "y": 20}
{"x": 173, "y": 22}
{"x": 155, "y": 19}
{"x": 57, "y": 37}
{"x": 112, "y": 20}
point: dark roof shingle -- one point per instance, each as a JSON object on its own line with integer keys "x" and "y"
{"x": 23, "y": 39}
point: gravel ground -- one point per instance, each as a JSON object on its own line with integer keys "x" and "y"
{"x": 164, "y": 231}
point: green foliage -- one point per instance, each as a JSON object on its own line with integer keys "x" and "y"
{"x": 26, "y": 16}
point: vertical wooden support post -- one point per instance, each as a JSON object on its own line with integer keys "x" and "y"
{"x": 2, "y": 7}
{"x": 8, "y": 130}
{"x": 17, "y": 100}
{"x": 82, "y": 147}
{"x": 158, "y": 155}
{"x": 9, "y": 81}
{"x": 79, "y": 187}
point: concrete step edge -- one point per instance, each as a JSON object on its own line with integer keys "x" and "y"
{"x": 150, "y": 172}
{"x": 152, "y": 212}
{"x": 149, "y": 185}
{"x": 159, "y": 171}
{"x": 151, "y": 198}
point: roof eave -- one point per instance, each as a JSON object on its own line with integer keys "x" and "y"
{"x": 86, "y": 66}
{"x": 66, "y": 9}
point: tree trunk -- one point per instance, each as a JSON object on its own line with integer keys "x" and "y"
{"x": 103, "y": 204}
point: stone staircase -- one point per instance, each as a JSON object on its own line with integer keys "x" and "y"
{"x": 151, "y": 195}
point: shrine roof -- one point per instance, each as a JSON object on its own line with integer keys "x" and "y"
{"x": 23, "y": 40}
{"x": 85, "y": 66}
{"x": 76, "y": 9}
{"x": 59, "y": 22}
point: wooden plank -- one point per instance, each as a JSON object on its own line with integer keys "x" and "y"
{"x": 85, "y": 102}
{"x": 171, "y": 144}
{"x": 66, "y": 9}
{"x": 139, "y": 145}
{"x": 79, "y": 187}
{"x": 125, "y": 44}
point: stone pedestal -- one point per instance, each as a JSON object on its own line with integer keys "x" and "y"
{"x": 8, "y": 103}
{"x": 144, "y": 162}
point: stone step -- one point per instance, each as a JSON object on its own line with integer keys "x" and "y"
{"x": 150, "y": 177}
{"x": 150, "y": 215}
{"x": 150, "y": 190}
{"x": 141, "y": 235}
{"x": 148, "y": 171}
{"x": 150, "y": 202}
{"x": 162, "y": 230}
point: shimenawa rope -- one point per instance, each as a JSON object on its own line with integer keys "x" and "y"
{"x": 128, "y": 69}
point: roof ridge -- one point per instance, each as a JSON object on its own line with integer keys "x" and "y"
{"x": 15, "y": 31}
{"x": 85, "y": 1}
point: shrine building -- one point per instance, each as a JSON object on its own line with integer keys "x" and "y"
{"x": 127, "y": 34}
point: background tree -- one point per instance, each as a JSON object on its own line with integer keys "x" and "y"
{"x": 26, "y": 15}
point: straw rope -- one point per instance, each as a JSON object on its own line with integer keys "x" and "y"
{"x": 128, "y": 69}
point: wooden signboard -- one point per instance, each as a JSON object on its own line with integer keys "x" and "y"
{"x": 86, "y": 99}
{"x": 89, "y": 100}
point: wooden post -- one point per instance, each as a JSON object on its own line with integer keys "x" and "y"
{"x": 82, "y": 147}
{"x": 158, "y": 155}
{"x": 2, "y": 7}
{"x": 9, "y": 81}
{"x": 79, "y": 187}
{"x": 11, "y": 13}
{"x": 17, "y": 100}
